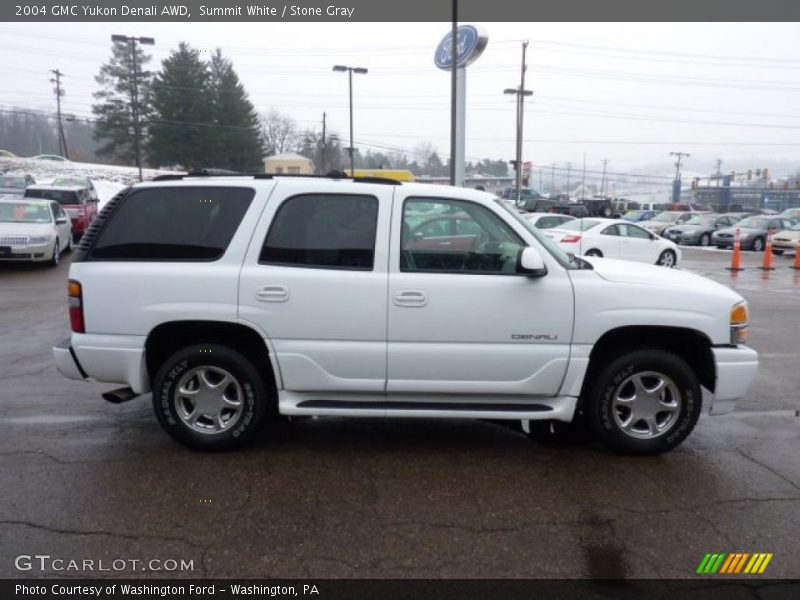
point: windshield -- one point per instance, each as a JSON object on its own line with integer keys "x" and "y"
{"x": 701, "y": 220}
{"x": 24, "y": 212}
{"x": 551, "y": 246}
{"x": 753, "y": 223}
{"x": 63, "y": 197}
{"x": 579, "y": 224}
{"x": 665, "y": 217}
{"x": 12, "y": 182}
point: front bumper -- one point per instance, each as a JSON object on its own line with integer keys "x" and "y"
{"x": 29, "y": 252}
{"x": 735, "y": 369}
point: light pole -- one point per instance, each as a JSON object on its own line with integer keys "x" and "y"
{"x": 350, "y": 71}
{"x": 676, "y": 185}
{"x": 137, "y": 145}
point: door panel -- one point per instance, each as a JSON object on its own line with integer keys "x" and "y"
{"x": 481, "y": 328}
{"x": 312, "y": 290}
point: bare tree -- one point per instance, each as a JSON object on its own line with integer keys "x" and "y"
{"x": 279, "y": 133}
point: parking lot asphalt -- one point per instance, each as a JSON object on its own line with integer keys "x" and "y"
{"x": 82, "y": 479}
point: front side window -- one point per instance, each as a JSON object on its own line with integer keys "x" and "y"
{"x": 334, "y": 231}
{"x": 454, "y": 236}
{"x": 173, "y": 224}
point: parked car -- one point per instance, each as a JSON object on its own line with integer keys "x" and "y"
{"x": 76, "y": 199}
{"x": 635, "y": 216}
{"x": 33, "y": 230}
{"x": 786, "y": 240}
{"x": 310, "y": 296}
{"x": 753, "y": 232}
{"x": 698, "y": 229}
{"x": 79, "y": 181}
{"x": 665, "y": 219}
{"x": 12, "y": 185}
{"x": 654, "y": 206}
{"x": 615, "y": 238}
{"x": 791, "y": 213}
{"x": 7, "y": 154}
{"x": 53, "y": 157}
{"x": 547, "y": 220}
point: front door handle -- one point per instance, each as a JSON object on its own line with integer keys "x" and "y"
{"x": 273, "y": 293}
{"x": 410, "y": 298}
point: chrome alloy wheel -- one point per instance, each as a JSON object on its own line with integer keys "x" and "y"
{"x": 646, "y": 405}
{"x": 209, "y": 399}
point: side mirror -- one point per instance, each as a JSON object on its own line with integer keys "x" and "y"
{"x": 61, "y": 221}
{"x": 530, "y": 263}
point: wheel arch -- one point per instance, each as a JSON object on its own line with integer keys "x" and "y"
{"x": 167, "y": 338}
{"x": 691, "y": 345}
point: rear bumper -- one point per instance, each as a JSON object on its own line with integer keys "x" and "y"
{"x": 66, "y": 361}
{"x": 107, "y": 358}
{"x": 735, "y": 370}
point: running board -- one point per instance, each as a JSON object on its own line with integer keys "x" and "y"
{"x": 427, "y": 406}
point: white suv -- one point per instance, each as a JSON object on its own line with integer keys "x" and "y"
{"x": 233, "y": 299}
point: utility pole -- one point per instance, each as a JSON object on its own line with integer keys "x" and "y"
{"x": 137, "y": 132}
{"x": 520, "y": 93}
{"x": 583, "y": 179}
{"x": 323, "y": 148}
{"x": 552, "y": 177}
{"x": 603, "y": 181}
{"x": 62, "y": 140}
{"x": 569, "y": 170}
{"x": 676, "y": 185}
{"x": 719, "y": 170}
{"x": 540, "y": 180}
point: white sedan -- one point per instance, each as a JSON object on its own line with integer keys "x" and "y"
{"x": 615, "y": 238}
{"x": 547, "y": 220}
{"x": 33, "y": 230}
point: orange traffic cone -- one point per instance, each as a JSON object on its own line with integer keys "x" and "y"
{"x": 796, "y": 264}
{"x": 736, "y": 257}
{"x": 766, "y": 264}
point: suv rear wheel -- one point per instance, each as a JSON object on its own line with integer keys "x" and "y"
{"x": 210, "y": 397}
{"x": 645, "y": 402}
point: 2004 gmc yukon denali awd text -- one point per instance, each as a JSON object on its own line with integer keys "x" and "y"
{"x": 235, "y": 299}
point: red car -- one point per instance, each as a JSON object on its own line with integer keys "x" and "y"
{"x": 76, "y": 200}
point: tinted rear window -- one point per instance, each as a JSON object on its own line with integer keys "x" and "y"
{"x": 63, "y": 197}
{"x": 173, "y": 224}
{"x": 324, "y": 231}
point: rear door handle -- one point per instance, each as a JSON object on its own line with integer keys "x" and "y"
{"x": 273, "y": 293}
{"x": 410, "y": 298}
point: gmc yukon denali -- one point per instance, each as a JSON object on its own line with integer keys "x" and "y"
{"x": 236, "y": 299}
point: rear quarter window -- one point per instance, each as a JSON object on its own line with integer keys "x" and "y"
{"x": 173, "y": 224}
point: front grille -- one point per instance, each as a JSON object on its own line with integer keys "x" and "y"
{"x": 724, "y": 235}
{"x": 14, "y": 240}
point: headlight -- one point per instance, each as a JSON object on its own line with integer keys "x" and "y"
{"x": 41, "y": 239}
{"x": 739, "y": 323}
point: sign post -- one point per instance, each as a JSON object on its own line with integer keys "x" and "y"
{"x": 470, "y": 44}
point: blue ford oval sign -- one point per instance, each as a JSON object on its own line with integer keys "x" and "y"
{"x": 470, "y": 44}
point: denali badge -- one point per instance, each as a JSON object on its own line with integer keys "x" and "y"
{"x": 531, "y": 336}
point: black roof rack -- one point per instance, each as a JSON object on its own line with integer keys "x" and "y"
{"x": 228, "y": 173}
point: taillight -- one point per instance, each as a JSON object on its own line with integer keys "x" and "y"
{"x": 76, "y": 307}
{"x": 570, "y": 239}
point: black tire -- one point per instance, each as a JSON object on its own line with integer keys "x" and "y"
{"x": 757, "y": 245}
{"x": 705, "y": 240}
{"x": 593, "y": 252}
{"x": 667, "y": 258}
{"x": 70, "y": 244}
{"x": 252, "y": 392}
{"x": 56, "y": 254}
{"x": 613, "y": 380}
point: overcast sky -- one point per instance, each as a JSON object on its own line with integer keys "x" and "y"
{"x": 627, "y": 92}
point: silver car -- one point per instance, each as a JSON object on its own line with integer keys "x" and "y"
{"x": 33, "y": 230}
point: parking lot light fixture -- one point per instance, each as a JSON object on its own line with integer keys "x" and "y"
{"x": 350, "y": 71}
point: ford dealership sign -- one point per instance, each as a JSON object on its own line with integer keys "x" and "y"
{"x": 470, "y": 44}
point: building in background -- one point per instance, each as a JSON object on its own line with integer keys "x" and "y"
{"x": 288, "y": 164}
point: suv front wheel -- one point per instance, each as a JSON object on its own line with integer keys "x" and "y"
{"x": 210, "y": 397}
{"x": 645, "y": 402}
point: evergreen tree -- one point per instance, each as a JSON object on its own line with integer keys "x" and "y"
{"x": 236, "y": 132}
{"x": 115, "y": 102}
{"x": 181, "y": 128}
